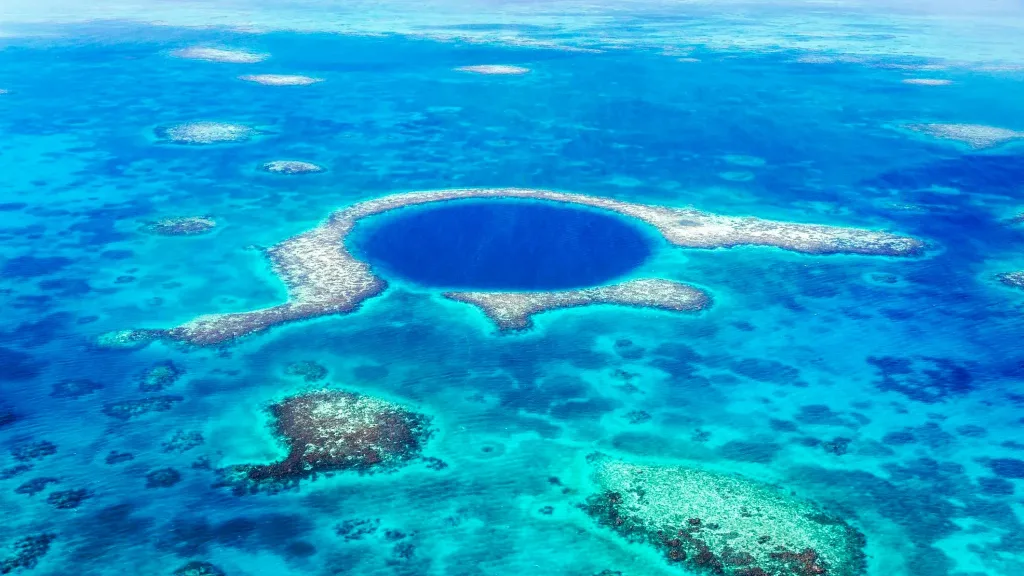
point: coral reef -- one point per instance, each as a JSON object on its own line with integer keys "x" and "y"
{"x": 200, "y": 133}
{"x": 162, "y": 478}
{"x": 160, "y": 376}
{"x": 26, "y": 552}
{"x": 1012, "y": 279}
{"x": 309, "y": 370}
{"x": 184, "y": 226}
{"x": 280, "y": 79}
{"x": 35, "y": 486}
{"x": 323, "y": 277}
{"x": 74, "y": 388}
{"x": 130, "y": 409}
{"x": 128, "y": 339}
{"x": 68, "y": 499}
{"x": 513, "y": 310}
{"x": 198, "y": 568}
{"x": 331, "y": 430}
{"x": 291, "y": 167}
{"x": 230, "y": 56}
{"x": 182, "y": 442}
{"x": 34, "y": 451}
{"x": 923, "y": 379}
{"x": 356, "y": 529}
{"x": 115, "y": 457}
{"x": 714, "y": 523}
{"x": 7, "y": 417}
{"x": 974, "y": 135}
{"x": 494, "y": 69}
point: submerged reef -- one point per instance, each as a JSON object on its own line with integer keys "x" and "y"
{"x": 495, "y": 69}
{"x": 715, "y": 523}
{"x": 513, "y": 310}
{"x": 33, "y": 451}
{"x": 291, "y": 167}
{"x": 331, "y": 431}
{"x": 280, "y": 79}
{"x": 25, "y": 553}
{"x": 199, "y": 568}
{"x": 323, "y": 277}
{"x": 127, "y": 339}
{"x": 159, "y": 377}
{"x": 1012, "y": 279}
{"x": 230, "y": 56}
{"x": 206, "y": 133}
{"x": 184, "y": 226}
{"x": 927, "y": 81}
{"x": 308, "y": 369}
{"x": 130, "y": 409}
{"x": 974, "y": 135}
{"x": 75, "y": 388}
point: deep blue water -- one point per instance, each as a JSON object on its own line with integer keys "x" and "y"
{"x": 913, "y": 366}
{"x": 503, "y": 245}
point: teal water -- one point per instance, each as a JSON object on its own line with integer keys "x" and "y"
{"x": 889, "y": 390}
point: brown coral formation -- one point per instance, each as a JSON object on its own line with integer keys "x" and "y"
{"x": 514, "y": 310}
{"x": 330, "y": 431}
{"x": 323, "y": 277}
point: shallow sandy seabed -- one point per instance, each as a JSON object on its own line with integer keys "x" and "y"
{"x": 496, "y": 69}
{"x": 291, "y": 167}
{"x": 324, "y": 278}
{"x": 219, "y": 55}
{"x": 974, "y": 135}
{"x": 927, "y": 81}
{"x": 280, "y": 79}
{"x": 206, "y": 133}
{"x": 513, "y": 310}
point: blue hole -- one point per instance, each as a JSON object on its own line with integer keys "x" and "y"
{"x": 502, "y": 245}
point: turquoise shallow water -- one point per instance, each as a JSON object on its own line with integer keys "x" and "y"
{"x": 887, "y": 389}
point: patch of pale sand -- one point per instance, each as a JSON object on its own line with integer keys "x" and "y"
{"x": 230, "y": 56}
{"x": 280, "y": 79}
{"x": 927, "y": 81}
{"x": 494, "y": 69}
{"x": 976, "y": 136}
{"x": 206, "y": 133}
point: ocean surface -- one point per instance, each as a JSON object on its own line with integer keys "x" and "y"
{"x": 888, "y": 390}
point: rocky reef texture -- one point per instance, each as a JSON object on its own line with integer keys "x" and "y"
{"x": 291, "y": 167}
{"x": 1012, "y": 279}
{"x": 330, "y": 431}
{"x": 25, "y": 553}
{"x": 974, "y": 135}
{"x": 184, "y": 226}
{"x": 130, "y": 409}
{"x": 199, "y": 568}
{"x": 927, "y": 81}
{"x": 281, "y": 79}
{"x": 160, "y": 376}
{"x": 494, "y": 69}
{"x": 206, "y": 133}
{"x": 323, "y": 277}
{"x": 219, "y": 55}
{"x": 127, "y": 339}
{"x": 75, "y": 388}
{"x": 714, "y": 523}
{"x": 514, "y": 310}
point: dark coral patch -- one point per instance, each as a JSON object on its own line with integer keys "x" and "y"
{"x": 17, "y": 366}
{"x": 183, "y": 441}
{"x": 75, "y": 388}
{"x": 309, "y": 371}
{"x": 26, "y": 553}
{"x": 68, "y": 499}
{"x": 160, "y": 376}
{"x": 328, "y": 431}
{"x": 996, "y": 486}
{"x": 162, "y": 478}
{"x": 130, "y": 409}
{"x": 198, "y": 568}
{"x": 34, "y": 451}
{"x": 1007, "y": 467}
{"x": 32, "y": 266}
{"x": 35, "y": 486}
{"x": 116, "y": 457}
{"x": 924, "y": 379}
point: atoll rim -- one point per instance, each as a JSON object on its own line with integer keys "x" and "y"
{"x": 291, "y": 167}
{"x": 973, "y": 135}
{"x": 206, "y": 133}
{"x": 227, "y": 55}
{"x": 181, "y": 226}
{"x": 280, "y": 79}
{"x": 494, "y": 69}
{"x": 714, "y": 523}
{"x": 333, "y": 431}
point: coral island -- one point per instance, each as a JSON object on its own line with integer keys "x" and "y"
{"x": 184, "y": 226}
{"x": 26, "y": 553}
{"x": 329, "y": 431}
{"x": 323, "y": 277}
{"x": 280, "y": 79}
{"x": 206, "y": 133}
{"x": 974, "y": 135}
{"x": 513, "y": 310}
{"x": 494, "y": 69}
{"x": 291, "y": 167}
{"x": 1012, "y": 279}
{"x": 713, "y": 523}
{"x": 219, "y": 55}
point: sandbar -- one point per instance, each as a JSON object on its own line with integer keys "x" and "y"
{"x": 514, "y": 310}
{"x": 323, "y": 277}
{"x": 497, "y": 69}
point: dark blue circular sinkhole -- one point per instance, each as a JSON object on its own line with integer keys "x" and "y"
{"x": 501, "y": 245}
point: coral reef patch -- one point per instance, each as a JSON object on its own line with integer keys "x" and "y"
{"x": 323, "y": 277}
{"x": 291, "y": 167}
{"x": 309, "y": 370}
{"x": 68, "y": 499}
{"x": 183, "y": 226}
{"x": 1012, "y": 279}
{"x": 200, "y": 133}
{"x": 714, "y": 523}
{"x": 199, "y": 568}
{"x": 974, "y": 135}
{"x": 130, "y": 409}
{"x": 75, "y": 388}
{"x": 331, "y": 431}
{"x": 26, "y": 553}
{"x": 160, "y": 376}
{"x": 230, "y": 56}
{"x": 514, "y": 310}
{"x": 280, "y": 79}
{"x": 494, "y": 69}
